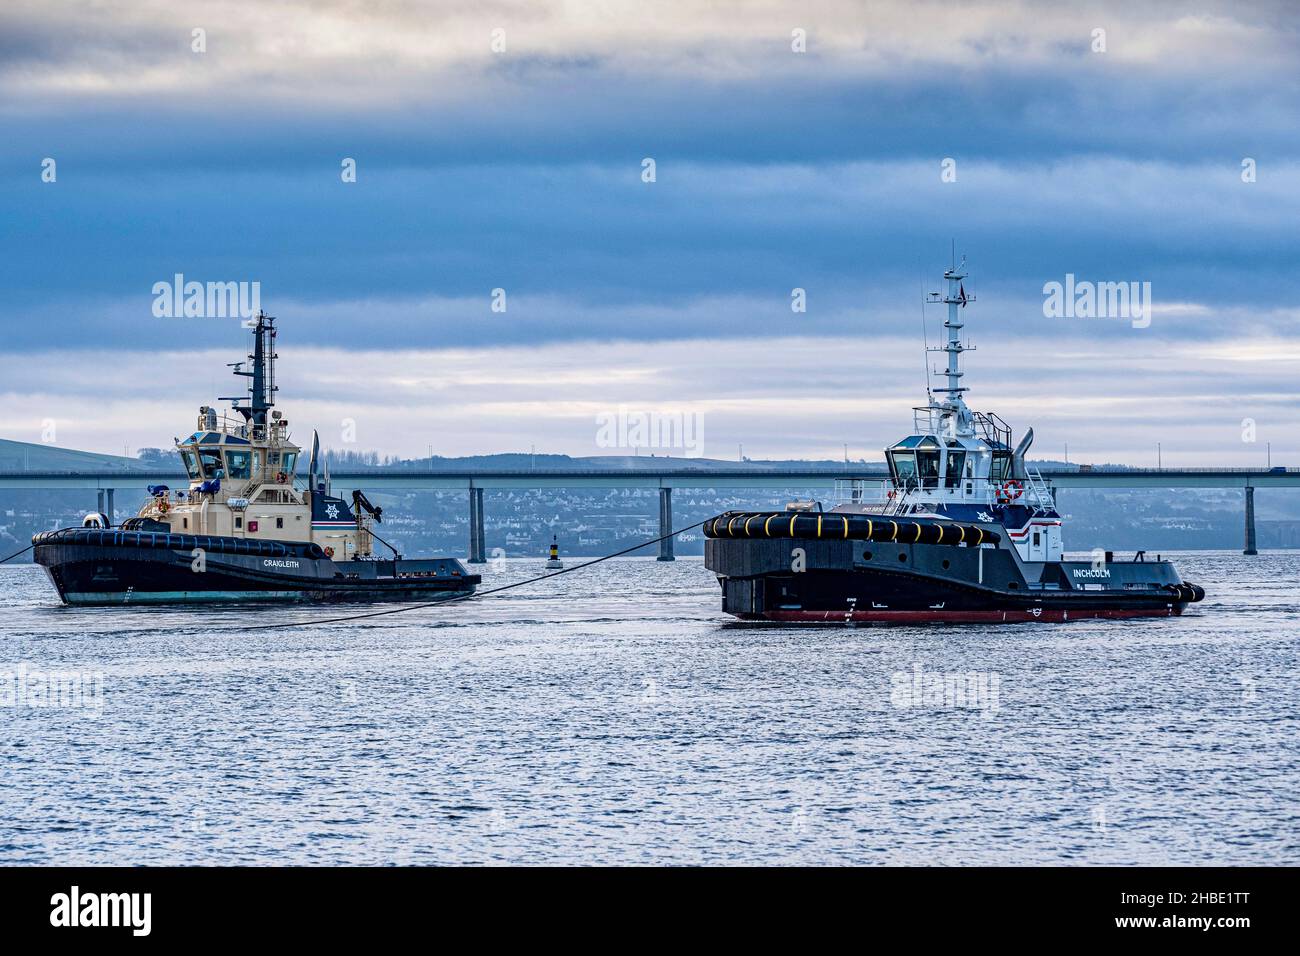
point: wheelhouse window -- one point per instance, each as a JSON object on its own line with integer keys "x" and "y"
{"x": 904, "y": 465}
{"x": 238, "y": 463}
{"x": 191, "y": 463}
{"x": 927, "y": 463}
{"x": 290, "y": 461}
{"x": 210, "y": 461}
{"x": 915, "y": 461}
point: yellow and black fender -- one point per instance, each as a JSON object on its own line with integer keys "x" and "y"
{"x": 844, "y": 527}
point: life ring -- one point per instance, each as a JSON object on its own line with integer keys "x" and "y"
{"x": 892, "y": 493}
{"x": 329, "y": 552}
{"x": 1010, "y": 490}
{"x": 281, "y": 477}
{"x": 163, "y": 506}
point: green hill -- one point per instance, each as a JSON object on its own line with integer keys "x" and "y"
{"x": 29, "y": 456}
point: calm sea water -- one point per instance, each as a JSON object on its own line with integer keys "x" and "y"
{"x": 616, "y": 716}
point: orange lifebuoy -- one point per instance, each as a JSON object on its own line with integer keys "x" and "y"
{"x": 163, "y": 506}
{"x": 1010, "y": 490}
{"x": 329, "y": 552}
{"x": 281, "y": 477}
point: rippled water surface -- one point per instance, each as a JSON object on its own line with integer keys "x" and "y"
{"x": 616, "y": 716}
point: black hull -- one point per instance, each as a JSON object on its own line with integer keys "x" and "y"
{"x": 806, "y": 580}
{"x": 117, "y": 568}
{"x": 828, "y": 597}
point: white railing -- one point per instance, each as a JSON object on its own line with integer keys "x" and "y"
{"x": 881, "y": 492}
{"x": 1040, "y": 492}
{"x": 877, "y": 494}
{"x": 861, "y": 490}
{"x": 927, "y": 419}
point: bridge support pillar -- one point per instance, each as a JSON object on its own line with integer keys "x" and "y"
{"x": 100, "y": 506}
{"x": 1250, "y": 522}
{"x": 666, "y": 524}
{"x": 108, "y": 509}
{"x": 476, "y": 537}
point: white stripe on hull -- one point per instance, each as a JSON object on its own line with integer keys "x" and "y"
{"x": 180, "y": 597}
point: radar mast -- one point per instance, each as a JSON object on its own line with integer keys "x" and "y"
{"x": 952, "y": 411}
{"x": 262, "y": 388}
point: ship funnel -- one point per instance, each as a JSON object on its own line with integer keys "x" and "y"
{"x": 315, "y": 456}
{"x": 1018, "y": 456}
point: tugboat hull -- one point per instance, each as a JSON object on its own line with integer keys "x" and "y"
{"x": 810, "y": 580}
{"x": 874, "y": 597}
{"x": 108, "y": 567}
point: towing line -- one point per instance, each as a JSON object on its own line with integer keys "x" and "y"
{"x": 462, "y": 597}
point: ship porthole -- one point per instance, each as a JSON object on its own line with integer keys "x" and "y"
{"x": 946, "y": 564}
{"x": 902, "y": 556}
{"x": 866, "y": 555}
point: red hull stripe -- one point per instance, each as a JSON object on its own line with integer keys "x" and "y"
{"x": 1033, "y": 524}
{"x": 885, "y": 616}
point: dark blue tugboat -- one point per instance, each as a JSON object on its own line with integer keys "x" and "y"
{"x": 247, "y": 528}
{"x": 962, "y": 530}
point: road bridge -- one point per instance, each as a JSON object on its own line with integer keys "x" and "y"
{"x": 812, "y": 480}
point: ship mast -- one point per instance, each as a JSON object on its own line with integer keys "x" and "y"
{"x": 262, "y": 388}
{"x": 956, "y": 417}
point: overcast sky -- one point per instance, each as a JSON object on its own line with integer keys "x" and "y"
{"x": 522, "y": 170}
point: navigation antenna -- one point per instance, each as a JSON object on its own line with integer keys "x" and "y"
{"x": 262, "y": 388}
{"x": 956, "y": 299}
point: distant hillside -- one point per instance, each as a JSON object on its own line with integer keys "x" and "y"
{"x": 523, "y": 461}
{"x": 29, "y": 456}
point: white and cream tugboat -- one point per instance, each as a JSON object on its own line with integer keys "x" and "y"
{"x": 246, "y": 528}
{"x": 963, "y": 529}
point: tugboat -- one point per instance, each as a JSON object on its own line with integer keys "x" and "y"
{"x": 245, "y": 529}
{"x": 962, "y": 530}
